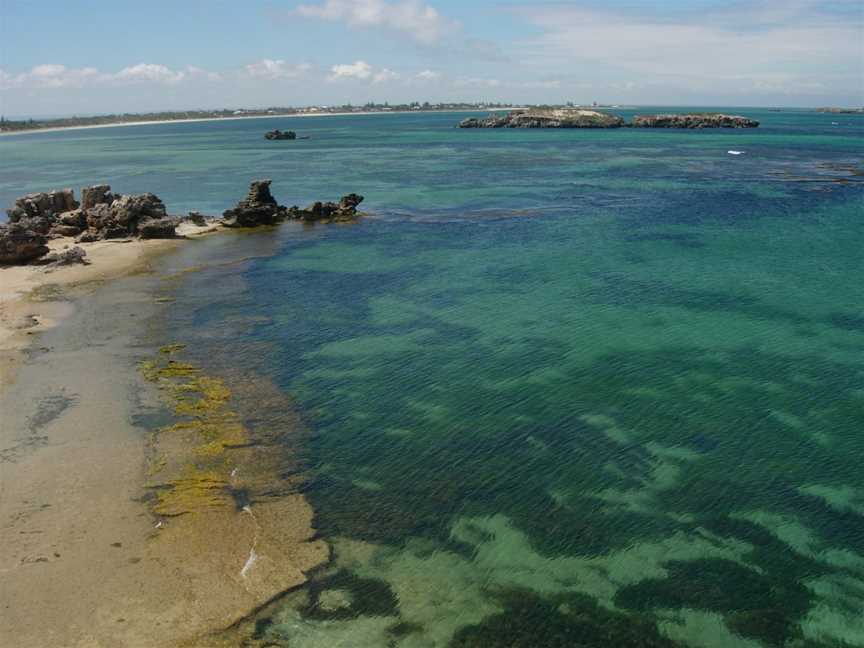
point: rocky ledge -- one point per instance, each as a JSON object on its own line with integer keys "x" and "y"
{"x": 259, "y": 207}
{"x": 280, "y": 135}
{"x": 546, "y": 118}
{"x": 695, "y": 120}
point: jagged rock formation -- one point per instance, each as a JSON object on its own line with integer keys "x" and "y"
{"x": 696, "y": 120}
{"x": 280, "y": 135}
{"x": 19, "y": 244}
{"x": 546, "y": 118}
{"x": 101, "y": 215}
{"x": 260, "y": 208}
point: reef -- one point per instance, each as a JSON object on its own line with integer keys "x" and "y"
{"x": 229, "y": 516}
{"x": 565, "y": 621}
{"x": 546, "y": 118}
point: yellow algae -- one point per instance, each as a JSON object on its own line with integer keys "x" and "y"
{"x": 188, "y": 461}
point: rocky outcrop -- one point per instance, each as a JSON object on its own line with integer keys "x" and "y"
{"x": 344, "y": 210}
{"x": 19, "y": 244}
{"x": 107, "y": 215}
{"x": 101, "y": 215}
{"x": 280, "y": 135}
{"x": 259, "y": 207}
{"x": 546, "y": 118}
{"x": 97, "y": 195}
{"x": 157, "y": 228}
{"x": 44, "y": 203}
{"x": 694, "y": 120}
{"x": 196, "y": 218}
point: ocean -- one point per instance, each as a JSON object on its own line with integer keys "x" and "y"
{"x": 558, "y": 388}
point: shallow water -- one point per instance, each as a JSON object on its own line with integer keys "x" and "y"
{"x": 562, "y": 388}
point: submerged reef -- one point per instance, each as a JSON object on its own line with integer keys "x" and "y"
{"x": 231, "y": 525}
{"x": 562, "y": 621}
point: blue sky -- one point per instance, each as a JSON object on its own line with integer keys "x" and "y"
{"x": 61, "y": 57}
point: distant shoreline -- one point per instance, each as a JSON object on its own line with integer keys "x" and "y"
{"x": 153, "y": 122}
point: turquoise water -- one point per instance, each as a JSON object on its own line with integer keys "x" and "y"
{"x": 562, "y": 388}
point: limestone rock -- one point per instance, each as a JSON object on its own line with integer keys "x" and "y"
{"x": 112, "y": 216}
{"x": 280, "y": 135}
{"x": 546, "y": 118}
{"x": 197, "y": 218}
{"x": 157, "y": 228}
{"x": 66, "y": 257}
{"x": 259, "y": 207}
{"x": 344, "y": 210}
{"x": 19, "y": 245}
{"x": 96, "y": 195}
{"x": 694, "y": 120}
{"x": 46, "y": 203}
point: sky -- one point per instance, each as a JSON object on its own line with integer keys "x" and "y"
{"x": 65, "y": 57}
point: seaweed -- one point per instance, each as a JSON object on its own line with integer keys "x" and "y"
{"x": 359, "y": 597}
{"x": 562, "y": 621}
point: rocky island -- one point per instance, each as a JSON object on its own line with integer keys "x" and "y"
{"x": 579, "y": 118}
{"x": 280, "y": 135}
{"x": 546, "y": 118}
{"x": 694, "y": 120}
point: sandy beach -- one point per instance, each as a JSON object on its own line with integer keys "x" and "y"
{"x": 90, "y": 558}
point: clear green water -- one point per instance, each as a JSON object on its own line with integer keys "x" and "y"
{"x": 563, "y": 388}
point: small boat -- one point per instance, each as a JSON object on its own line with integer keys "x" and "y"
{"x": 734, "y": 152}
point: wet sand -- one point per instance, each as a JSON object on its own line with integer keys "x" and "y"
{"x": 86, "y": 559}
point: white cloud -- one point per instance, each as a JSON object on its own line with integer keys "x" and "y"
{"x": 428, "y": 75}
{"x": 550, "y": 84}
{"x": 276, "y": 69}
{"x": 384, "y": 75}
{"x": 151, "y": 72}
{"x": 476, "y": 82}
{"x": 720, "y": 50}
{"x": 420, "y": 21}
{"x": 357, "y": 70}
{"x": 198, "y": 73}
{"x": 52, "y": 75}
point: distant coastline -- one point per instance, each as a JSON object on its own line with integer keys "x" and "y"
{"x": 207, "y": 116}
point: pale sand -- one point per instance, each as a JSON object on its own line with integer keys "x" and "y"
{"x": 83, "y": 562}
{"x": 22, "y": 316}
